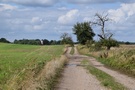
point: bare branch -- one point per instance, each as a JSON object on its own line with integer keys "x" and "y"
{"x": 101, "y": 36}
{"x": 101, "y": 19}
{"x": 110, "y": 36}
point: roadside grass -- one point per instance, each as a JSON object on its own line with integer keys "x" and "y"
{"x": 18, "y": 60}
{"x": 72, "y": 51}
{"x": 105, "y": 79}
{"x": 50, "y": 74}
{"x": 122, "y": 58}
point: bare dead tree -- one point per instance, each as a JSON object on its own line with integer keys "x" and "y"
{"x": 101, "y": 20}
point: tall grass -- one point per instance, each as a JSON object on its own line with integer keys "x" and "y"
{"x": 122, "y": 58}
{"x": 17, "y": 60}
{"x": 72, "y": 51}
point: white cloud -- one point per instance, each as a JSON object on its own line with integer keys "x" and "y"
{"x": 32, "y": 2}
{"x": 69, "y": 17}
{"x": 87, "y": 19}
{"x": 62, "y": 8}
{"x": 6, "y": 7}
{"x": 123, "y": 13}
{"x": 36, "y": 20}
{"x": 98, "y": 1}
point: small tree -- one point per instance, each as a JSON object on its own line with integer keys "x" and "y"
{"x": 101, "y": 20}
{"x": 105, "y": 37}
{"x": 66, "y": 39}
{"x": 83, "y": 31}
{"x": 108, "y": 43}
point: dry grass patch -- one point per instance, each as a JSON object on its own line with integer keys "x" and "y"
{"x": 122, "y": 58}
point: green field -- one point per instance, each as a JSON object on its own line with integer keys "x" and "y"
{"x": 16, "y": 59}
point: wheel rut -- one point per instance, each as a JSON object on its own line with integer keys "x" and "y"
{"x": 75, "y": 77}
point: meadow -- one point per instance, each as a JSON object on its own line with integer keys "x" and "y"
{"x": 121, "y": 58}
{"x": 17, "y": 60}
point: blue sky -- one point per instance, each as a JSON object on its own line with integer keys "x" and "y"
{"x": 48, "y": 19}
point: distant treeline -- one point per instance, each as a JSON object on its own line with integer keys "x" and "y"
{"x": 128, "y": 43}
{"x": 37, "y": 42}
{"x": 46, "y": 42}
{"x": 4, "y": 40}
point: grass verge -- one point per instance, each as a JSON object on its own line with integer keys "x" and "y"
{"x": 121, "y": 59}
{"x": 50, "y": 74}
{"x": 72, "y": 51}
{"x": 105, "y": 79}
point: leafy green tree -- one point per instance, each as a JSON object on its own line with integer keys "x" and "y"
{"x": 108, "y": 43}
{"x": 83, "y": 31}
{"x": 4, "y": 40}
{"x": 46, "y": 42}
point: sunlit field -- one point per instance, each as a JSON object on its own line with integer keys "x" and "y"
{"x": 16, "y": 59}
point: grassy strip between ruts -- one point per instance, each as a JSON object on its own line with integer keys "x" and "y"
{"x": 72, "y": 51}
{"x": 105, "y": 79}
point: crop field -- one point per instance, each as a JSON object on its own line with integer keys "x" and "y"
{"x": 121, "y": 58}
{"x": 16, "y": 59}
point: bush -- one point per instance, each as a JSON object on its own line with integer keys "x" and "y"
{"x": 108, "y": 43}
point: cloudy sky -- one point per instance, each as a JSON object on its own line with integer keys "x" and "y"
{"x": 48, "y": 19}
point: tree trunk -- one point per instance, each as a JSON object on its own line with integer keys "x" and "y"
{"x": 108, "y": 47}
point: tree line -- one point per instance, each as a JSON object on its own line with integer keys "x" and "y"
{"x": 37, "y": 42}
{"x": 4, "y": 40}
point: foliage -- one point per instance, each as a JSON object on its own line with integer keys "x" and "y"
{"x": 66, "y": 39}
{"x": 97, "y": 46}
{"x": 83, "y": 32}
{"x": 108, "y": 43}
{"x": 89, "y": 43}
{"x": 36, "y": 42}
{"x": 4, "y": 40}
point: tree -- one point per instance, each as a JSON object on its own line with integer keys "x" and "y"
{"x": 101, "y": 20}
{"x": 46, "y": 42}
{"x": 83, "y": 31}
{"x": 108, "y": 43}
{"x": 105, "y": 37}
{"x": 4, "y": 40}
{"x": 66, "y": 39}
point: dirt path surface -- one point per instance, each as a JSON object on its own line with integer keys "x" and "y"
{"x": 127, "y": 81}
{"x": 75, "y": 77}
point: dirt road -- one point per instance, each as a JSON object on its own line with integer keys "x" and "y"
{"x": 127, "y": 81}
{"x": 75, "y": 77}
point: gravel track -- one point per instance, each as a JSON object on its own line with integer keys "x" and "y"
{"x": 75, "y": 77}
